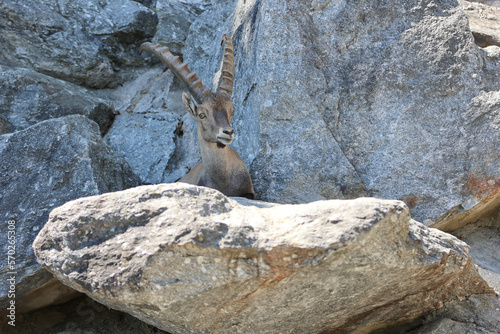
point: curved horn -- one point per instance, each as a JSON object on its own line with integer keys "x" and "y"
{"x": 227, "y": 78}
{"x": 179, "y": 68}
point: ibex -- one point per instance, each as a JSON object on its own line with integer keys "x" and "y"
{"x": 221, "y": 167}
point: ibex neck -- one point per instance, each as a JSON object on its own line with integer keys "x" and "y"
{"x": 215, "y": 160}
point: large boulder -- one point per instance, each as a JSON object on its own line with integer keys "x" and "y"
{"x": 392, "y": 100}
{"x": 190, "y": 260}
{"x": 28, "y": 97}
{"x": 44, "y": 166}
{"x": 80, "y": 41}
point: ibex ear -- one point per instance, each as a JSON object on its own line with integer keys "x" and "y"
{"x": 189, "y": 104}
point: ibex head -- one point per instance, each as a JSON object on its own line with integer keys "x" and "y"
{"x": 221, "y": 167}
{"x": 214, "y": 110}
{"x": 213, "y": 117}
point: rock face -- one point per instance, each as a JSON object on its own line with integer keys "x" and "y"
{"x": 43, "y": 167}
{"x": 79, "y": 41}
{"x": 189, "y": 260}
{"x": 484, "y": 22}
{"x": 28, "y": 97}
{"x": 144, "y": 131}
{"x": 356, "y": 98}
{"x": 174, "y": 20}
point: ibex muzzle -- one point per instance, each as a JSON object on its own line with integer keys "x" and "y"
{"x": 221, "y": 167}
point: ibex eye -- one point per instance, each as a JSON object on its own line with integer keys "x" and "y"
{"x": 202, "y": 116}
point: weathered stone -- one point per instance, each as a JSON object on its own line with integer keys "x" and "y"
{"x": 187, "y": 151}
{"x": 175, "y": 18}
{"x": 73, "y": 40}
{"x": 199, "y": 50}
{"x": 478, "y": 314}
{"x": 483, "y": 237}
{"x": 189, "y": 260}
{"x": 145, "y": 133}
{"x": 355, "y": 98}
{"x": 28, "y": 97}
{"x": 43, "y": 167}
{"x": 484, "y": 22}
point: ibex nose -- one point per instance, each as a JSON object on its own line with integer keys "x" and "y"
{"x": 229, "y": 132}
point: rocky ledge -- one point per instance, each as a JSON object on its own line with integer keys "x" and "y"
{"x": 189, "y": 260}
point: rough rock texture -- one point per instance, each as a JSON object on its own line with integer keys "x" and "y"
{"x": 80, "y": 41}
{"x": 484, "y": 22}
{"x": 174, "y": 19}
{"x": 392, "y": 100}
{"x": 153, "y": 132}
{"x": 190, "y": 260}
{"x": 143, "y": 133}
{"x": 28, "y": 97}
{"x": 478, "y": 314}
{"x": 43, "y": 167}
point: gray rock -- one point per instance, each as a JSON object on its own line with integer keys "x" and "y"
{"x": 187, "y": 151}
{"x": 28, "y": 97}
{"x": 175, "y": 17}
{"x": 338, "y": 100}
{"x": 477, "y": 314}
{"x": 484, "y": 22}
{"x": 483, "y": 237}
{"x": 73, "y": 40}
{"x": 43, "y": 167}
{"x": 146, "y": 142}
{"x": 145, "y": 131}
{"x": 199, "y": 49}
{"x": 189, "y": 260}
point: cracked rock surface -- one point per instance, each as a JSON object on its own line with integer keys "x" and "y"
{"x": 44, "y": 166}
{"x": 357, "y": 98}
{"x": 190, "y": 260}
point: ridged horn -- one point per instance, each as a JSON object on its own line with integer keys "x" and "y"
{"x": 180, "y": 69}
{"x": 227, "y": 77}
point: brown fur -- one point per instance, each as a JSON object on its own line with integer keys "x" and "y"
{"x": 221, "y": 167}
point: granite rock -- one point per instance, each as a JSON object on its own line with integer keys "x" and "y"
{"x": 188, "y": 259}
{"x": 44, "y": 166}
